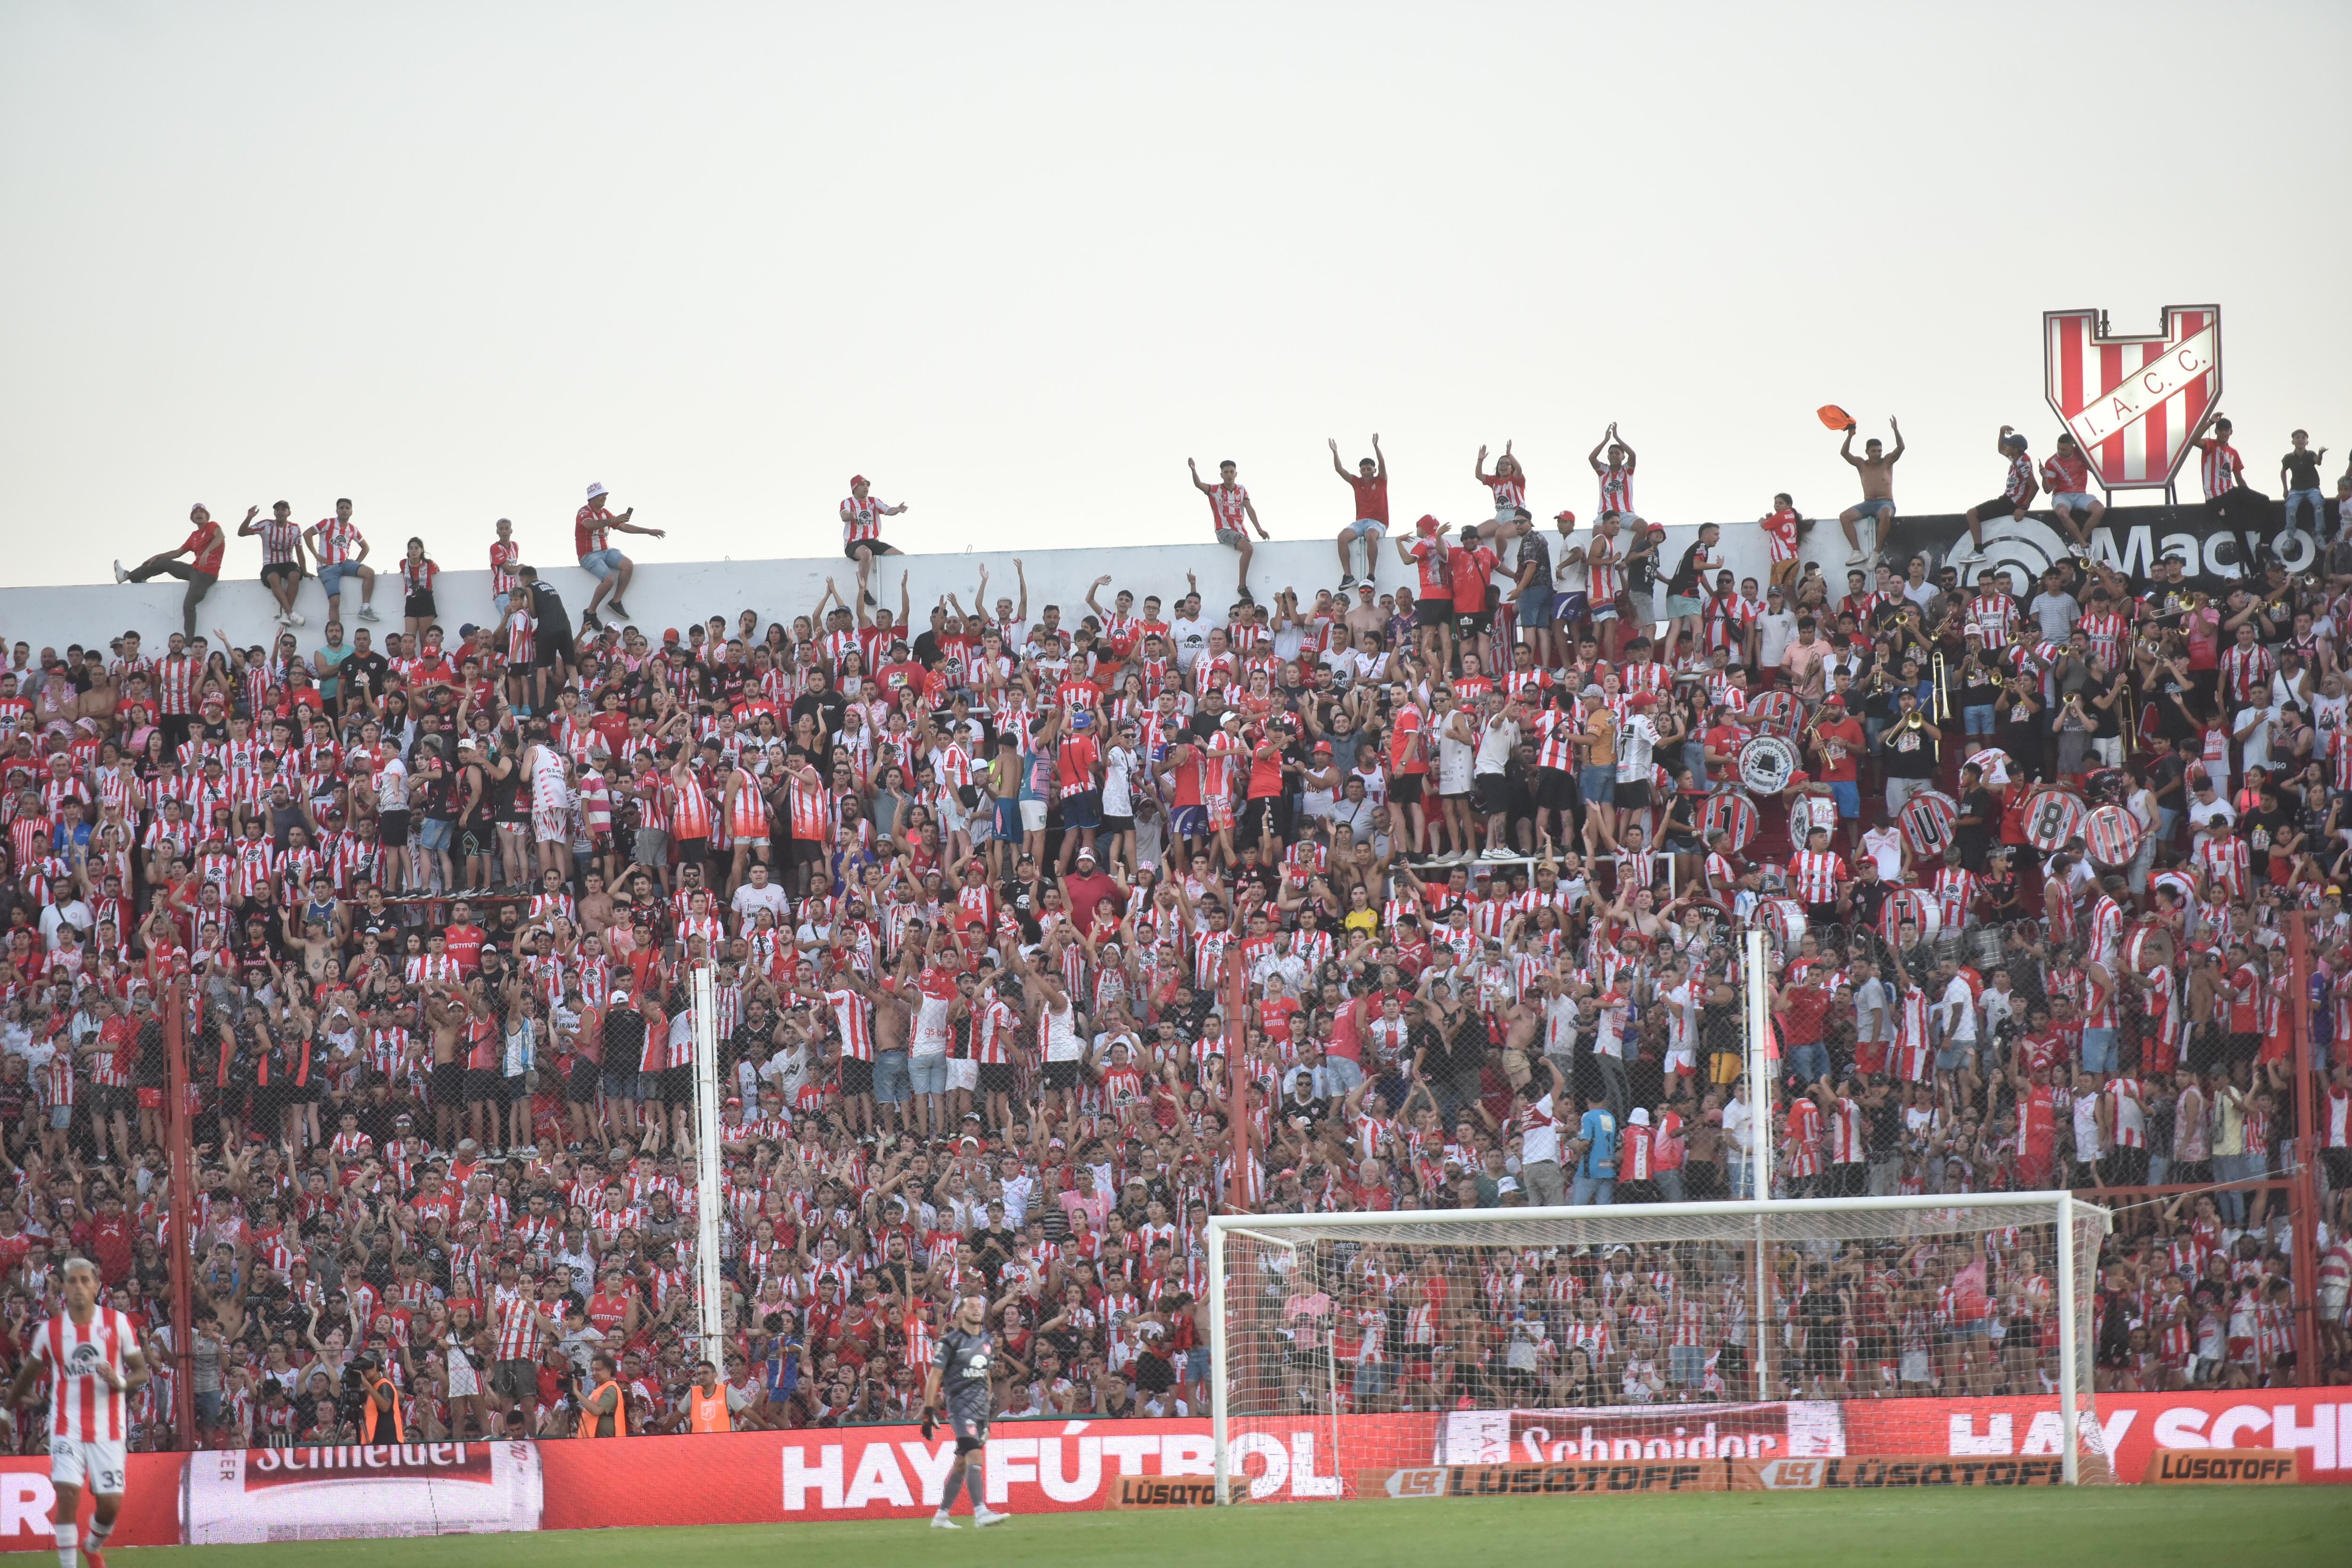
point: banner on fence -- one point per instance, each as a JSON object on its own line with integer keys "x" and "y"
{"x": 1046, "y": 1466}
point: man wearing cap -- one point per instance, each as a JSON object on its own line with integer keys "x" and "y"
{"x": 204, "y": 547}
{"x": 861, "y": 531}
{"x": 590, "y": 529}
{"x": 2016, "y": 495}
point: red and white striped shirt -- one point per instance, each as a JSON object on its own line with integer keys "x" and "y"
{"x": 504, "y": 554}
{"x": 82, "y": 1408}
{"x": 2220, "y": 467}
{"x": 1815, "y": 876}
{"x": 337, "y": 541}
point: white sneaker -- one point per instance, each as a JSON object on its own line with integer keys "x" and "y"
{"x": 367, "y": 613}
{"x": 984, "y": 1517}
{"x": 294, "y": 619}
{"x": 280, "y": 617}
{"x": 940, "y": 1520}
{"x": 1858, "y": 558}
{"x": 120, "y": 574}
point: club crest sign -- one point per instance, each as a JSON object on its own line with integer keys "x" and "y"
{"x": 2134, "y": 403}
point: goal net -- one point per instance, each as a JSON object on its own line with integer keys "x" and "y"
{"x": 1349, "y": 1345}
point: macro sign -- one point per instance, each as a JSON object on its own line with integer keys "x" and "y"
{"x": 2134, "y": 402}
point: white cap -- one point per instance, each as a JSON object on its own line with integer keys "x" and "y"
{"x": 595, "y": 491}
{"x": 1641, "y": 1117}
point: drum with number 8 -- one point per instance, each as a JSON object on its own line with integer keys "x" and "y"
{"x": 2052, "y": 816}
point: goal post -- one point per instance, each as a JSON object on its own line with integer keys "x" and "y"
{"x": 1799, "y": 1328}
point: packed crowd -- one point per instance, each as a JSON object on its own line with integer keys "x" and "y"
{"x": 1449, "y": 875}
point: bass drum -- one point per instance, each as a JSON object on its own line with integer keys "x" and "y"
{"x": 1766, "y": 763}
{"x": 1910, "y": 904}
{"x": 2149, "y": 946}
{"x": 1785, "y": 919}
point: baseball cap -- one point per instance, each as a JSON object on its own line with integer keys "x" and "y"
{"x": 594, "y": 490}
{"x": 1566, "y": 517}
{"x": 670, "y": 634}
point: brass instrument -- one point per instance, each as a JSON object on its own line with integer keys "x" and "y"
{"x": 1943, "y": 690}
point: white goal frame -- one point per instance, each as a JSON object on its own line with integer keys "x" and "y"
{"x": 1741, "y": 1222}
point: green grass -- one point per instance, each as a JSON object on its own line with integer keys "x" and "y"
{"x": 2148, "y": 1527}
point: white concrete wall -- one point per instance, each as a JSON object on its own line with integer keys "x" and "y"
{"x": 673, "y": 593}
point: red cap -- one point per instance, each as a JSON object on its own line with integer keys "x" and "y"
{"x": 1428, "y": 524}
{"x": 856, "y": 481}
{"x": 1567, "y": 517}
{"x": 670, "y": 635}
{"x": 1642, "y": 699}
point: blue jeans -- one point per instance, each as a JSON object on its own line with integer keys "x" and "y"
{"x": 1810, "y": 1063}
{"x": 1346, "y": 1074}
{"x": 2230, "y": 1168}
{"x": 1592, "y": 1190}
{"x": 2298, "y": 499}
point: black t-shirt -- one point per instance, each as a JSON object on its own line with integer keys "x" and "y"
{"x": 1910, "y": 752}
{"x": 1985, "y": 806}
{"x": 2301, "y": 470}
{"x": 2261, "y": 829}
{"x": 1684, "y": 583}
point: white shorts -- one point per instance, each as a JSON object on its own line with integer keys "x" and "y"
{"x": 94, "y": 1464}
{"x": 1033, "y": 816}
{"x": 962, "y": 1073}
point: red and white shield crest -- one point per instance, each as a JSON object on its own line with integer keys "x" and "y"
{"x": 2134, "y": 403}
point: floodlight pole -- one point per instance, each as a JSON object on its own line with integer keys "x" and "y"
{"x": 710, "y": 1291}
{"x": 1757, "y": 990}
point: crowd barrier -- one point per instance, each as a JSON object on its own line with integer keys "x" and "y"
{"x": 1066, "y": 1466}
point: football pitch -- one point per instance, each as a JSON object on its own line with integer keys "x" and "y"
{"x": 2148, "y": 1527}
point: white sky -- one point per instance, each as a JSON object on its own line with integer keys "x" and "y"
{"x": 1018, "y": 263}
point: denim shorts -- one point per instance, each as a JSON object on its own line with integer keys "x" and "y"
{"x": 1681, "y": 604}
{"x": 892, "y": 1085}
{"x": 2099, "y": 1051}
{"x": 331, "y": 576}
{"x": 1598, "y": 783}
{"x": 1848, "y": 795}
{"x": 928, "y": 1074}
{"x": 2073, "y": 501}
{"x": 1364, "y": 525}
{"x": 1879, "y": 507}
{"x": 1535, "y": 609}
{"x": 433, "y": 833}
{"x": 1977, "y": 721}
{"x": 601, "y": 564}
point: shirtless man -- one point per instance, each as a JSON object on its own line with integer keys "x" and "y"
{"x": 1877, "y": 468}
{"x": 1366, "y": 615}
{"x": 444, "y": 1014}
{"x": 893, "y": 1089}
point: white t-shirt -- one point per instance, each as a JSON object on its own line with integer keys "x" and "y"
{"x": 1884, "y": 846}
{"x": 1634, "y": 740}
{"x": 1960, "y": 1009}
{"x": 1191, "y": 636}
{"x": 1774, "y": 632}
{"x": 747, "y": 901}
{"x": 1539, "y": 1133}
{"x": 2257, "y": 743}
